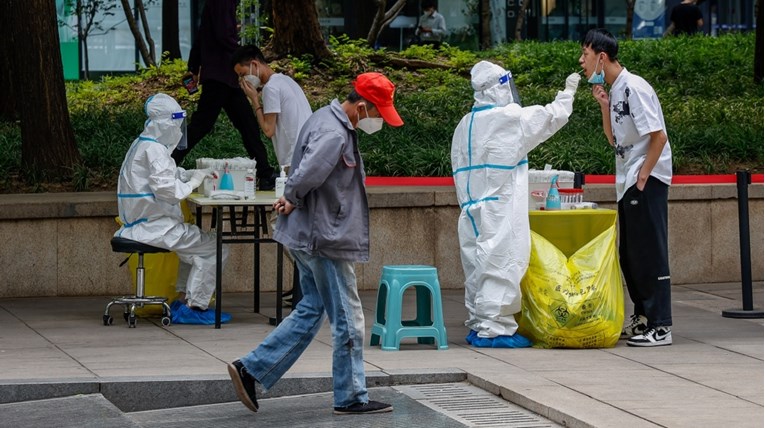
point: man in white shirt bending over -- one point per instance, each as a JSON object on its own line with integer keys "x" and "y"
{"x": 284, "y": 108}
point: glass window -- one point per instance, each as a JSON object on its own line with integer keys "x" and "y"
{"x": 331, "y": 17}
{"x": 615, "y": 16}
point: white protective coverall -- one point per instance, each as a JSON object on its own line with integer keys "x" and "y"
{"x": 149, "y": 192}
{"x": 490, "y": 169}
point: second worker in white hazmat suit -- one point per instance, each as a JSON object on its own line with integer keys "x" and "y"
{"x": 490, "y": 170}
{"x": 149, "y": 192}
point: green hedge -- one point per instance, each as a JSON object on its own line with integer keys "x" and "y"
{"x": 713, "y": 108}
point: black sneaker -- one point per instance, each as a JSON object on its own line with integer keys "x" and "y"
{"x": 638, "y": 325}
{"x": 364, "y": 408}
{"x": 244, "y": 384}
{"x": 654, "y": 336}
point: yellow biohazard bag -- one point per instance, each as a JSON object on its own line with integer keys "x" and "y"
{"x": 575, "y": 301}
{"x": 160, "y": 272}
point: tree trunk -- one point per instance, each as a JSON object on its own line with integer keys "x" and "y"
{"x": 758, "y": 51}
{"x": 8, "y": 108}
{"x": 630, "y": 17}
{"x": 170, "y": 40}
{"x": 484, "y": 38}
{"x": 519, "y": 20}
{"x": 383, "y": 18}
{"x": 147, "y": 58}
{"x": 86, "y": 59}
{"x": 48, "y": 148}
{"x": 297, "y": 31}
{"x": 146, "y": 32}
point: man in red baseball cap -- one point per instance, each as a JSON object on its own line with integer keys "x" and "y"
{"x": 324, "y": 222}
{"x": 378, "y": 90}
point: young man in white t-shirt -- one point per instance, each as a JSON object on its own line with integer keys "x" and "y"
{"x": 282, "y": 113}
{"x": 284, "y": 108}
{"x": 634, "y": 125}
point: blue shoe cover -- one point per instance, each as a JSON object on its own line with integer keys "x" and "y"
{"x": 187, "y": 315}
{"x": 514, "y": 341}
{"x": 175, "y": 305}
{"x": 473, "y": 335}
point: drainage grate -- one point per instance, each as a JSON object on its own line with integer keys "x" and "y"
{"x": 473, "y": 406}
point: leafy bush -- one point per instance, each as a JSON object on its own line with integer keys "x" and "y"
{"x": 712, "y": 107}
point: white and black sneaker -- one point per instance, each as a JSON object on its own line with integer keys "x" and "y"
{"x": 638, "y": 325}
{"x": 654, "y": 336}
{"x": 287, "y": 299}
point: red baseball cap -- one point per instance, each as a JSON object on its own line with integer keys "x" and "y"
{"x": 378, "y": 90}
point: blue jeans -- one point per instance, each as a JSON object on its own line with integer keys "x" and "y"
{"x": 328, "y": 286}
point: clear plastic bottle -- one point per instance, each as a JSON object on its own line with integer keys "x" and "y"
{"x": 249, "y": 184}
{"x": 281, "y": 180}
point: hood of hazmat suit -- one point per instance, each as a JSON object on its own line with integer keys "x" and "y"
{"x": 490, "y": 170}
{"x": 149, "y": 190}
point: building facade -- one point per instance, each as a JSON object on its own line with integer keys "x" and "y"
{"x": 113, "y": 49}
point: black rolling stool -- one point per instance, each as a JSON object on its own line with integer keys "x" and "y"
{"x": 122, "y": 245}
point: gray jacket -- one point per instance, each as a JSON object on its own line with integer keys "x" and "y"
{"x": 326, "y": 185}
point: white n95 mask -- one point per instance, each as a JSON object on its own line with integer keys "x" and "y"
{"x": 252, "y": 80}
{"x": 370, "y": 125}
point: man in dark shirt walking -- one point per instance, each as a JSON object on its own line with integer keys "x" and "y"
{"x": 209, "y": 64}
{"x": 685, "y": 18}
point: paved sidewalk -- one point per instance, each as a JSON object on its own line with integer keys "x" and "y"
{"x": 711, "y": 376}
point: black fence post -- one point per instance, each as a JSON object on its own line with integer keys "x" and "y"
{"x": 743, "y": 180}
{"x": 578, "y": 180}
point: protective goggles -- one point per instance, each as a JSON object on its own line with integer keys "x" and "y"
{"x": 181, "y": 115}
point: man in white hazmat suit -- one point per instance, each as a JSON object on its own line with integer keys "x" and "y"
{"x": 149, "y": 193}
{"x": 490, "y": 169}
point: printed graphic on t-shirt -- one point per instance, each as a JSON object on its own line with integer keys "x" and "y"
{"x": 621, "y": 150}
{"x": 622, "y": 108}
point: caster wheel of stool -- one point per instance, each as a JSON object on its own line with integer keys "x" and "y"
{"x": 131, "y": 321}
{"x": 108, "y": 320}
{"x": 165, "y": 321}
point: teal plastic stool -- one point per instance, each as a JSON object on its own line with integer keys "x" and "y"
{"x": 388, "y": 325}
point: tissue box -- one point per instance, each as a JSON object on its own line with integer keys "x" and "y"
{"x": 539, "y": 181}
{"x": 237, "y": 167}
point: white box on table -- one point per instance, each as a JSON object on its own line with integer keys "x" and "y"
{"x": 237, "y": 168}
{"x": 539, "y": 181}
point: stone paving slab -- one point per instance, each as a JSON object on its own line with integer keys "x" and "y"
{"x": 81, "y": 411}
{"x": 53, "y": 347}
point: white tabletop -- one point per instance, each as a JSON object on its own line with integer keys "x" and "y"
{"x": 262, "y": 197}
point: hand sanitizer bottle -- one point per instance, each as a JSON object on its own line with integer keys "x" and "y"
{"x": 249, "y": 184}
{"x": 553, "y": 197}
{"x": 281, "y": 180}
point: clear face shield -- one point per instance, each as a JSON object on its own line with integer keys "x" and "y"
{"x": 181, "y": 115}
{"x": 507, "y": 79}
